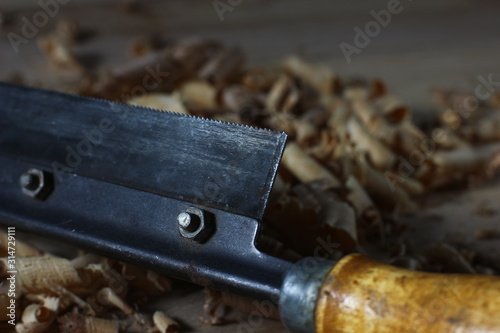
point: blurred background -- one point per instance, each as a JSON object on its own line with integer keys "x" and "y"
{"x": 427, "y": 44}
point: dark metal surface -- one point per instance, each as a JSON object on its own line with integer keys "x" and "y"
{"x": 142, "y": 228}
{"x": 122, "y": 175}
{"x": 215, "y": 164}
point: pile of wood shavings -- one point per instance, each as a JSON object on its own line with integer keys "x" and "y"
{"x": 86, "y": 294}
{"x": 354, "y": 163}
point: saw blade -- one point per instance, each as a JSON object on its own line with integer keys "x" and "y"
{"x": 211, "y": 163}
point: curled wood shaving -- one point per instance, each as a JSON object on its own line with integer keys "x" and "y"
{"x": 73, "y": 322}
{"x": 164, "y": 323}
{"x": 67, "y": 298}
{"x": 339, "y": 220}
{"x": 305, "y": 168}
{"x": 108, "y": 297}
{"x": 37, "y": 318}
{"x": 393, "y": 108}
{"x": 364, "y": 142}
{"x": 374, "y": 122}
{"x": 200, "y": 93}
{"x": 282, "y": 96}
{"x": 322, "y": 78}
{"x": 361, "y": 201}
{"x": 160, "y": 101}
{"x": 23, "y": 249}
{"x": 385, "y": 190}
{"x": 38, "y": 274}
{"x": 459, "y": 161}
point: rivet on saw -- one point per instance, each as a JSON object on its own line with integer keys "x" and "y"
{"x": 196, "y": 224}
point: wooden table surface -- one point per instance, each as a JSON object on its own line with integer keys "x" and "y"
{"x": 429, "y": 44}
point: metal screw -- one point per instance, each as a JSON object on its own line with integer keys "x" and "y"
{"x": 36, "y": 183}
{"x": 188, "y": 221}
{"x": 29, "y": 181}
{"x": 195, "y": 224}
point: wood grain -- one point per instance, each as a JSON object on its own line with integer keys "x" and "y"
{"x": 362, "y": 295}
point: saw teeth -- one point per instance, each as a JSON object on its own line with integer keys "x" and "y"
{"x": 175, "y": 113}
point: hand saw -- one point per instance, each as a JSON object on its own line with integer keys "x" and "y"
{"x": 184, "y": 196}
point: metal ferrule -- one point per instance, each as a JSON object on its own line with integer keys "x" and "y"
{"x": 300, "y": 291}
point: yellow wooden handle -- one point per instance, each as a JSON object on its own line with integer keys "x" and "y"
{"x": 362, "y": 295}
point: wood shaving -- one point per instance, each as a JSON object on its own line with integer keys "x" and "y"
{"x": 164, "y": 323}
{"x": 73, "y": 322}
{"x": 22, "y": 249}
{"x": 160, "y": 101}
{"x": 37, "y": 274}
